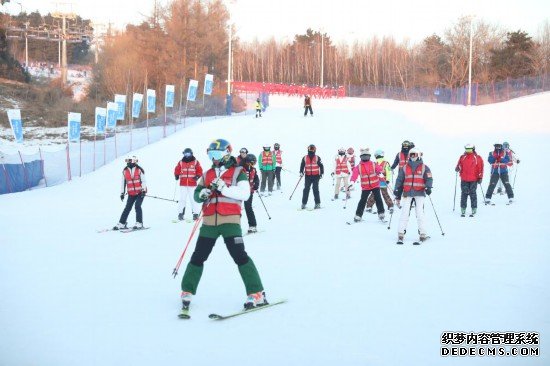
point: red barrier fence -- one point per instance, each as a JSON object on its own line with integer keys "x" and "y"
{"x": 289, "y": 89}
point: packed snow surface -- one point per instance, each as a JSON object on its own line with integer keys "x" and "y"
{"x": 72, "y": 296}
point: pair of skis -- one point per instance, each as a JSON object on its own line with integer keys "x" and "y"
{"x": 184, "y": 314}
{"x": 400, "y": 242}
{"x": 125, "y": 231}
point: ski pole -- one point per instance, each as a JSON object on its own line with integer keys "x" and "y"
{"x": 301, "y": 176}
{"x": 391, "y": 215}
{"x": 483, "y": 194}
{"x": 442, "y": 233}
{"x": 261, "y": 200}
{"x": 454, "y": 200}
{"x": 175, "y": 188}
{"x": 160, "y": 198}
{"x": 347, "y": 196}
{"x": 286, "y": 170}
{"x": 515, "y": 175}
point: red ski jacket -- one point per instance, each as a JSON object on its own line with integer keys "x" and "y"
{"x": 470, "y": 167}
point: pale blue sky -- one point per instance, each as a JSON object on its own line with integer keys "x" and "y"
{"x": 342, "y": 19}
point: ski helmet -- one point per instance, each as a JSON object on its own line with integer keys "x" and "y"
{"x": 243, "y": 150}
{"x": 341, "y": 151}
{"x": 267, "y": 147}
{"x": 219, "y": 149}
{"x": 276, "y": 146}
{"x": 311, "y": 148}
{"x": 406, "y": 144}
{"x": 414, "y": 154}
{"x": 379, "y": 153}
{"x": 497, "y": 145}
{"x": 365, "y": 151}
{"x": 187, "y": 152}
{"x": 505, "y": 145}
{"x": 351, "y": 151}
{"x": 250, "y": 159}
{"x": 468, "y": 147}
{"x": 131, "y": 159}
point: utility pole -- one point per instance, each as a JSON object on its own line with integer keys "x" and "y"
{"x": 26, "y": 46}
{"x": 470, "y": 61}
{"x": 64, "y": 15}
{"x": 322, "y": 59}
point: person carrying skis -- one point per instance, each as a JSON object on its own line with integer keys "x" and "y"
{"x": 414, "y": 182}
{"x": 342, "y": 170}
{"x": 221, "y": 190}
{"x": 258, "y": 106}
{"x": 267, "y": 163}
{"x": 251, "y": 173}
{"x": 499, "y": 170}
{"x": 278, "y": 163}
{"x": 188, "y": 171}
{"x": 133, "y": 181}
{"x": 368, "y": 172}
{"x": 385, "y": 180}
{"x": 242, "y": 156}
{"x": 401, "y": 157}
{"x": 312, "y": 167}
{"x": 307, "y": 106}
{"x": 470, "y": 168}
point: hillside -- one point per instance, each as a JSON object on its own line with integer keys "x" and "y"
{"x": 71, "y": 296}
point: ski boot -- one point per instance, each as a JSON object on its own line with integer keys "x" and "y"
{"x": 195, "y": 217}
{"x": 335, "y": 197}
{"x": 487, "y": 201}
{"x": 390, "y": 209}
{"x": 510, "y": 201}
{"x": 474, "y": 211}
{"x": 463, "y": 212}
{"x": 252, "y": 229}
{"x": 357, "y": 218}
{"x": 185, "y": 302}
{"x": 120, "y": 226}
{"x": 138, "y": 226}
{"x": 368, "y": 209}
{"x": 317, "y": 206}
{"x": 400, "y": 238}
{"x": 381, "y": 216}
{"x": 180, "y": 216}
{"x": 254, "y": 300}
{"x": 303, "y": 206}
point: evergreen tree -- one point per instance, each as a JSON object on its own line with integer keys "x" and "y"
{"x": 515, "y": 58}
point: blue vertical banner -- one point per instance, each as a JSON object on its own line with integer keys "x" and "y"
{"x": 192, "y": 90}
{"x": 208, "y": 84}
{"x": 100, "y": 119}
{"x": 14, "y": 116}
{"x": 169, "y": 96}
{"x": 151, "y": 101}
{"x": 112, "y": 111}
{"x": 73, "y": 120}
{"x": 136, "y": 104}
{"x": 120, "y": 100}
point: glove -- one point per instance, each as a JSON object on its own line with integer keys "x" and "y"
{"x": 332, "y": 174}
{"x": 428, "y": 191}
{"x": 457, "y": 169}
{"x": 204, "y": 194}
{"x": 321, "y": 176}
{"x": 143, "y": 194}
{"x": 177, "y": 177}
{"x": 217, "y": 185}
{"x": 396, "y": 193}
{"x": 197, "y": 177}
{"x": 301, "y": 175}
{"x": 122, "y": 196}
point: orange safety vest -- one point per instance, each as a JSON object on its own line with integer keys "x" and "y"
{"x": 218, "y": 203}
{"x": 188, "y": 171}
{"x": 351, "y": 161}
{"x": 369, "y": 178}
{"x": 251, "y": 174}
{"x": 342, "y": 166}
{"x": 267, "y": 158}
{"x": 278, "y": 156}
{"x": 133, "y": 183}
{"x": 402, "y": 159}
{"x": 414, "y": 181}
{"x": 382, "y": 166}
{"x": 312, "y": 168}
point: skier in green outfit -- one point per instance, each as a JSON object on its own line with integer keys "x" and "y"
{"x": 221, "y": 190}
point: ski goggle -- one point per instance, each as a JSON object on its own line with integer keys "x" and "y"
{"x": 130, "y": 160}
{"x": 498, "y": 146}
{"x": 243, "y": 151}
{"x": 413, "y": 155}
{"x": 187, "y": 154}
{"x": 216, "y": 154}
{"x": 311, "y": 148}
{"x": 469, "y": 150}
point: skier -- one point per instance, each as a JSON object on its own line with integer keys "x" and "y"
{"x": 368, "y": 172}
{"x": 470, "y": 167}
{"x": 188, "y": 171}
{"x": 307, "y": 106}
{"x": 513, "y": 160}
{"x": 267, "y": 163}
{"x": 278, "y": 163}
{"x": 385, "y": 180}
{"x": 258, "y": 107}
{"x": 342, "y": 170}
{"x": 252, "y": 174}
{"x": 313, "y": 169}
{"x": 242, "y": 156}
{"x": 401, "y": 157}
{"x": 221, "y": 190}
{"x": 499, "y": 170}
{"x": 414, "y": 182}
{"x": 133, "y": 180}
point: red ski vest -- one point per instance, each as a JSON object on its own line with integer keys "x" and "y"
{"x": 267, "y": 158}
{"x": 133, "y": 183}
{"x": 250, "y": 174}
{"x": 312, "y": 168}
{"x": 369, "y": 178}
{"x": 187, "y": 171}
{"x": 402, "y": 159}
{"x": 414, "y": 181}
{"x": 342, "y": 166}
{"x": 218, "y": 203}
{"x": 278, "y": 157}
{"x": 497, "y": 164}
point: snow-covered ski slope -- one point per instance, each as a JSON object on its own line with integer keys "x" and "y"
{"x": 70, "y": 296}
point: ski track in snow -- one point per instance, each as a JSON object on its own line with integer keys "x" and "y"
{"x": 71, "y": 296}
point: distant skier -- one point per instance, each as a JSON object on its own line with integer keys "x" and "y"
{"x": 267, "y": 163}
{"x": 254, "y": 181}
{"x": 385, "y": 180}
{"x": 222, "y": 190}
{"x": 470, "y": 167}
{"x": 243, "y": 152}
{"x": 258, "y": 105}
{"x": 499, "y": 160}
{"x": 278, "y": 163}
{"x": 188, "y": 171}
{"x": 401, "y": 157}
{"x": 307, "y": 106}
{"x": 368, "y": 173}
{"x": 414, "y": 182}
{"x": 313, "y": 169}
{"x": 342, "y": 170}
{"x": 133, "y": 181}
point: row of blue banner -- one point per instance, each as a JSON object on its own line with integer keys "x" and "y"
{"x": 106, "y": 118}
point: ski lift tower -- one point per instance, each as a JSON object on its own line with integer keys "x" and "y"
{"x": 64, "y": 12}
